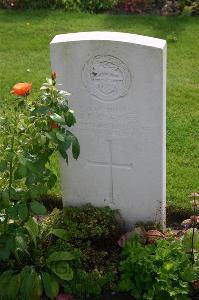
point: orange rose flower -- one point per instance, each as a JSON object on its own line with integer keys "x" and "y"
{"x": 21, "y": 89}
{"x": 54, "y": 125}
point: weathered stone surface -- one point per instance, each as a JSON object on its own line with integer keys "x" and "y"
{"x": 118, "y": 87}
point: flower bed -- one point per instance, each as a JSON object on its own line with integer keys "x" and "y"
{"x": 162, "y": 7}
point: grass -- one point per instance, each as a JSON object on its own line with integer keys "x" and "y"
{"x": 24, "y": 56}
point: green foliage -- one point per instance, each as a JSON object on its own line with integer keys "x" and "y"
{"x": 157, "y": 271}
{"x": 51, "y": 286}
{"x": 98, "y": 5}
{"x": 50, "y": 257}
{"x": 189, "y": 7}
{"x": 69, "y": 5}
{"x": 33, "y": 229}
{"x": 195, "y": 8}
{"x": 89, "y": 283}
{"x": 37, "y": 208}
{"x": 10, "y": 284}
{"x": 57, "y": 262}
{"x": 37, "y": 130}
{"x": 35, "y": 270}
{"x": 86, "y": 222}
{"x": 28, "y": 284}
{"x": 30, "y": 4}
{"x": 93, "y": 232}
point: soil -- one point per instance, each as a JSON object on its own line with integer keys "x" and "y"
{"x": 115, "y": 296}
{"x": 195, "y": 297}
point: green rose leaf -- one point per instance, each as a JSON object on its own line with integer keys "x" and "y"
{"x": 68, "y": 141}
{"x": 22, "y": 211}
{"x": 62, "y": 151}
{"x": 43, "y": 110}
{"x": 20, "y": 195}
{"x": 21, "y": 241}
{"x": 7, "y": 245}
{"x": 60, "y": 136}
{"x": 20, "y": 172}
{"x": 37, "y": 190}
{"x": 70, "y": 118}
{"x": 75, "y": 148}
{"x": 51, "y": 180}
{"x": 38, "y": 208}
{"x": 22, "y": 159}
{"x": 3, "y": 165}
{"x": 31, "y": 179}
{"x": 42, "y": 139}
{"x": 51, "y": 287}
{"x": 57, "y": 118}
{"x": 13, "y": 212}
{"x": 4, "y": 199}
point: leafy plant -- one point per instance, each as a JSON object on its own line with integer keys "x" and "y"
{"x": 98, "y": 5}
{"x": 33, "y": 281}
{"x": 195, "y": 8}
{"x": 76, "y": 5}
{"x": 38, "y": 129}
{"x": 87, "y": 222}
{"x": 93, "y": 232}
{"x": 71, "y": 5}
{"x": 156, "y": 271}
{"x": 89, "y": 284}
{"x": 35, "y": 270}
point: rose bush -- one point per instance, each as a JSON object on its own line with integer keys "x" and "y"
{"x": 37, "y": 130}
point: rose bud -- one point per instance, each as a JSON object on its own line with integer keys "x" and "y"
{"x": 21, "y": 89}
{"x": 54, "y": 125}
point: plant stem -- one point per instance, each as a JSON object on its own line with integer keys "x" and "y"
{"x": 193, "y": 232}
{"x": 11, "y": 168}
{"x": 10, "y": 183}
{"x": 10, "y": 175}
{"x": 192, "y": 245}
{"x": 17, "y": 257}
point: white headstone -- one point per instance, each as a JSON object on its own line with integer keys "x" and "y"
{"x": 118, "y": 91}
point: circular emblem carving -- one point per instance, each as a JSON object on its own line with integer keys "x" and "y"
{"x": 106, "y": 77}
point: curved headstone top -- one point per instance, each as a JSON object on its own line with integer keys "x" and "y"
{"x": 117, "y": 83}
{"x": 110, "y": 36}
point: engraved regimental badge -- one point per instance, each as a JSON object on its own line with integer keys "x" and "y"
{"x": 106, "y": 77}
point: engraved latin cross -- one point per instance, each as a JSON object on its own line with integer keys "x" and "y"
{"x": 110, "y": 165}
